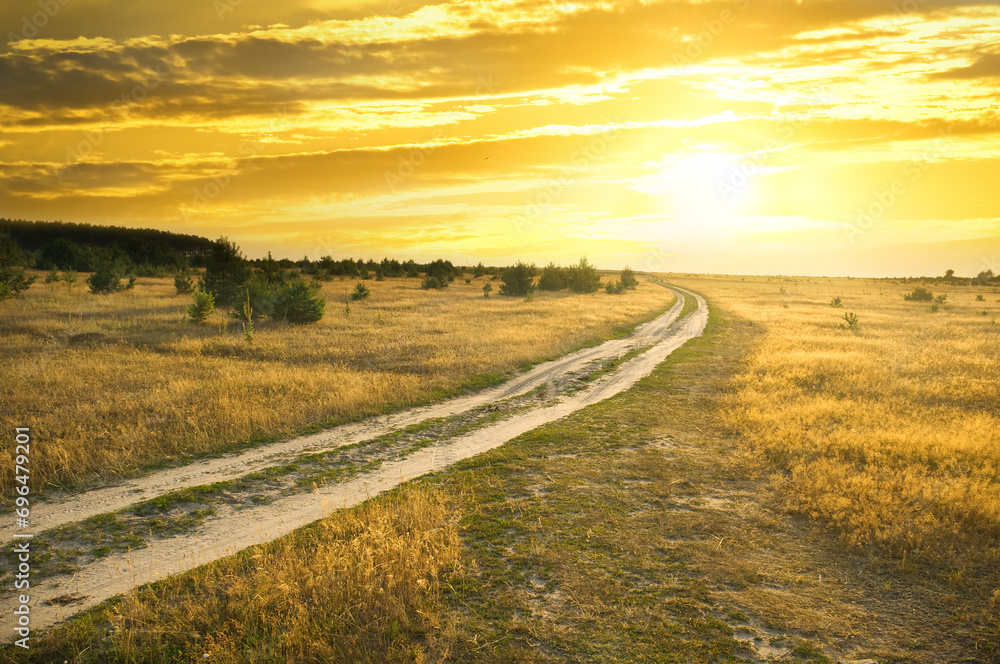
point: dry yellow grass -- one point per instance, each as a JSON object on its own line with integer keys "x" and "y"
{"x": 890, "y": 434}
{"x": 111, "y": 383}
{"x": 359, "y": 586}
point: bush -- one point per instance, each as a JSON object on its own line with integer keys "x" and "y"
{"x": 298, "y": 301}
{"x": 183, "y": 284}
{"x": 552, "y": 279}
{"x": 518, "y": 280}
{"x": 442, "y": 271}
{"x": 107, "y": 278}
{"x": 583, "y": 277}
{"x": 360, "y": 292}
{"x": 433, "y": 282}
{"x": 204, "y": 305}
{"x": 614, "y": 288}
{"x": 147, "y": 270}
{"x": 52, "y": 276}
{"x": 941, "y": 299}
{"x": 836, "y": 303}
{"x": 852, "y": 322}
{"x": 980, "y": 298}
{"x": 628, "y": 280}
{"x": 487, "y": 288}
{"x": 919, "y": 295}
{"x": 13, "y": 280}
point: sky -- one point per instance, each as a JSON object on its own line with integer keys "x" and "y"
{"x": 809, "y": 137}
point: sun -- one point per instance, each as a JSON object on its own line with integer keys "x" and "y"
{"x": 706, "y": 187}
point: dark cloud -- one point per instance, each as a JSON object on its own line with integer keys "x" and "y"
{"x": 986, "y": 65}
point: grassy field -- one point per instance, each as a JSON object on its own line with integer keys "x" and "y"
{"x": 780, "y": 489}
{"x": 890, "y": 433}
{"x": 110, "y": 384}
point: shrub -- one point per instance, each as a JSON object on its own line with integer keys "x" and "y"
{"x": 107, "y": 278}
{"x": 852, "y": 322}
{"x": 227, "y": 273}
{"x": 204, "y": 305}
{"x": 147, "y": 270}
{"x": 941, "y": 299}
{"x": 552, "y": 279}
{"x": 69, "y": 276}
{"x": 487, "y": 288}
{"x": 583, "y": 277}
{"x": 980, "y": 298}
{"x": 442, "y": 271}
{"x": 183, "y": 284}
{"x": 919, "y": 295}
{"x": 52, "y": 276}
{"x": 836, "y": 303}
{"x": 13, "y": 280}
{"x": 433, "y": 282}
{"x": 518, "y": 280}
{"x": 628, "y": 280}
{"x": 360, "y": 292}
{"x": 614, "y": 288}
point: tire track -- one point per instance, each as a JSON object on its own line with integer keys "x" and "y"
{"x": 231, "y": 532}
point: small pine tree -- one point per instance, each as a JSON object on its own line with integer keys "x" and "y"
{"x": 183, "y": 284}
{"x": 628, "y": 280}
{"x": 204, "y": 305}
{"x": 227, "y": 273}
{"x": 614, "y": 288}
{"x": 69, "y": 277}
{"x": 583, "y": 277}
{"x": 106, "y": 279}
{"x": 552, "y": 278}
{"x": 487, "y": 288}
{"x": 299, "y": 301}
{"x": 361, "y": 292}
{"x": 248, "y": 320}
{"x": 518, "y": 280}
{"x": 52, "y": 276}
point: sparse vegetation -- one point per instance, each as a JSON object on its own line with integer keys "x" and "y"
{"x": 919, "y": 294}
{"x": 153, "y": 369}
{"x": 836, "y": 302}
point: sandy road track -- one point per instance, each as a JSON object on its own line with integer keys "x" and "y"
{"x": 232, "y": 530}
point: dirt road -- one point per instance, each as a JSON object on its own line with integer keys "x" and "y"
{"x": 566, "y": 382}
